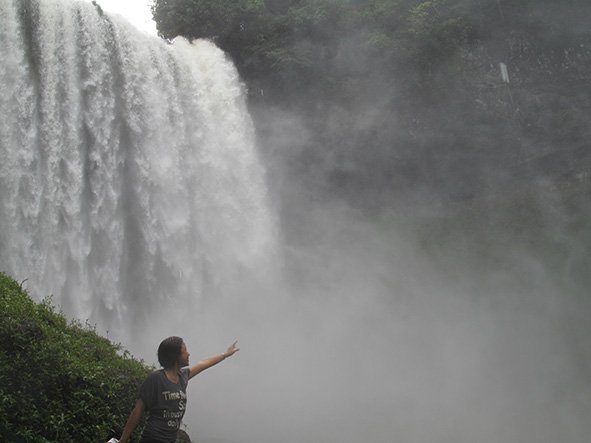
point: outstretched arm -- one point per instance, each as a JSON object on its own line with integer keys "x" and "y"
{"x": 212, "y": 361}
{"x": 132, "y": 421}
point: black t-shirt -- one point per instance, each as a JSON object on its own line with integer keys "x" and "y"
{"x": 165, "y": 404}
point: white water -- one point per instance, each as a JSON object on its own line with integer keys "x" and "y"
{"x": 129, "y": 174}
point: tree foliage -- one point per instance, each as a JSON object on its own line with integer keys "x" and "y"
{"x": 428, "y": 73}
{"x": 59, "y": 380}
{"x": 282, "y": 41}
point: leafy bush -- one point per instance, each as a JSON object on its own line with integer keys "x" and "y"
{"x": 59, "y": 380}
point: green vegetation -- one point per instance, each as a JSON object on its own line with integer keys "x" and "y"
{"x": 398, "y": 94}
{"x": 59, "y": 381}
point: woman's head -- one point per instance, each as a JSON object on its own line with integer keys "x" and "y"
{"x": 169, "y": 351}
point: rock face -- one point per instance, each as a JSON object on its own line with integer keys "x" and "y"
{"x": 381, "y": 98}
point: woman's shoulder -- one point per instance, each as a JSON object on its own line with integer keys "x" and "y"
{"x": 154, "y": 375}
{"x": 153, "y": 379}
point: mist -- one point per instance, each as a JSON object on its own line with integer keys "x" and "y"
{"x": 434, "y": 285}
{"x": 372, "y": 342}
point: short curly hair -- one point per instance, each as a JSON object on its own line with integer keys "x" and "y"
{"x": 169, "y": 351}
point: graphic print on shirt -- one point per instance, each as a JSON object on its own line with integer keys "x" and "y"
{"x": 174, "y": 418}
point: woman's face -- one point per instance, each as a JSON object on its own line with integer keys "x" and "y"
{"x": 184, "y": 357}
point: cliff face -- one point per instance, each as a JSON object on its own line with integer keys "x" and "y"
{"x": 379, "y": 102}
{"x": 409, "y": 77}
{"x": 419, "y": 99}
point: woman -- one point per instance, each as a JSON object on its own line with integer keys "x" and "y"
{"x": 163, "y": 394}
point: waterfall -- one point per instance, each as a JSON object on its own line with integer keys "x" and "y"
{"x": 129, "y": 177}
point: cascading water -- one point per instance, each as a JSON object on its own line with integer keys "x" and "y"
{"x": 128, "y": 172}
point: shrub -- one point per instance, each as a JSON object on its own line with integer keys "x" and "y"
{"x": 59, "y": 380}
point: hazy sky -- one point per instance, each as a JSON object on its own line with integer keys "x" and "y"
{"x": 135, "y": 11}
